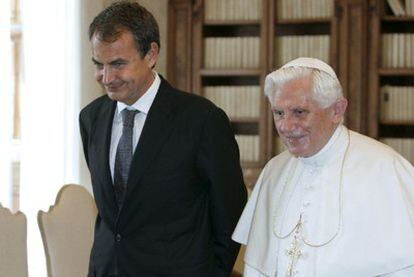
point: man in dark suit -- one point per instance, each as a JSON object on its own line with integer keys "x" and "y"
{"x": 164, "y": 163}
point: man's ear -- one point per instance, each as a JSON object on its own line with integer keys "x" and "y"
{"x": 339, "y": 108}
{"x": 152, "y": 55}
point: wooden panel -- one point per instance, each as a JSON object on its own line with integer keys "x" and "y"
{"x": 198, "y": 41}
{"x": 352, "y": 60}
{"x": 179, "y": 44}
{"x": 373, "y": 63}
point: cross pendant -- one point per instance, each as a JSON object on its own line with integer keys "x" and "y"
{"x": 294, "y": 251}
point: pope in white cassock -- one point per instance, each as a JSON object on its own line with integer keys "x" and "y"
{"x": 337, "y": 203}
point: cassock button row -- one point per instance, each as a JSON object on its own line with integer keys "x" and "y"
{"x": 313, "y": 171}
{"x": 118, "y": 237}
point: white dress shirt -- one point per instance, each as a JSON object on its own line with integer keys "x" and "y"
{"x": 143, "y": 105}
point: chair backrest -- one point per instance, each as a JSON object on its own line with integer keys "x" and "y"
{"x": 13, "y": 244}
{"x": 67, "y": 232}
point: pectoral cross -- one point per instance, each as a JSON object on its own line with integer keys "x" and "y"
{"x": 294, "y": 252}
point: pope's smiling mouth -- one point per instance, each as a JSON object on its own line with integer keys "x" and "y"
{"x": 294, "y": 138}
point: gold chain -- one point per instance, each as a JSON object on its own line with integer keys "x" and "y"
{"x": 339, "y": 210}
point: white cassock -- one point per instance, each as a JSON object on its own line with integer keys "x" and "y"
{"x": 355, "y": 202}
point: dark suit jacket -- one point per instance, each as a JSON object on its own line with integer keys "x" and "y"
{"x": 184, "y": 195}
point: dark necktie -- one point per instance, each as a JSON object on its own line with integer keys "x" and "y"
{"x": 123, "y": 155}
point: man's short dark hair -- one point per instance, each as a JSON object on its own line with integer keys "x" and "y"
{"x": 126, "y": 16}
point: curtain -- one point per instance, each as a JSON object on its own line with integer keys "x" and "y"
{"x": 50, "y": 155}
{"x": 6, "y": 107}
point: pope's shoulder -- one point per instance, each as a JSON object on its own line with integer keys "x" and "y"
{"x": 277, "y": 163}
{"x": 364, "y": 147}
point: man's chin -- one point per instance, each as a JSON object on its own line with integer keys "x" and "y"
{"x": 113, "y": 95}
{"x": 296, "y": 151}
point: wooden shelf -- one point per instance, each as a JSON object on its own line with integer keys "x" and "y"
{"x": 303, "y": 21}
{"x": 396, "y": 71}
{"x": 397, "y": 122}
{"x": 396, "y": 131}
{"x": 245, "y": 127}
{"x": 391, "y": 18}
{"x": 230, "y": 72}
{"x": 245, "y": 119}
{"x": 232, "y": 23}
{"x": 302, "y": 27}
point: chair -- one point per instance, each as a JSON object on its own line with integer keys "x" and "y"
{"x": 13, "y": 244}
{"x": 67, "y": 232}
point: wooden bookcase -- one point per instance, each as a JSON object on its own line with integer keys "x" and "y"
{"x": 381, "y": 73}
{"x": 391, "y": 71}
{"x": 346, "y": 27}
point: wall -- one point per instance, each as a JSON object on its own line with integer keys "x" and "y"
{"x": 89, "y": 89}
{"x": 159, "y": 9}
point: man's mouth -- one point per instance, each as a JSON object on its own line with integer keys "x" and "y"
{"x": 113, "y": 88}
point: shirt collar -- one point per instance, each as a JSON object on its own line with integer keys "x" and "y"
{"x": 331, "y": 150}
{"x": 143, "y": 104}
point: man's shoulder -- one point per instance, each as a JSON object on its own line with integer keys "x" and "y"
{"x": 278, "y": 162}
{"x": 192, "y": 100}
{"x": 190, "y": 104}
{"x": 369, "y": 147}
{"x": 95, "y": 105}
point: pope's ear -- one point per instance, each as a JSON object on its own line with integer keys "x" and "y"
{"x": 152, "y": 55}
{"x": 339, "y": 108}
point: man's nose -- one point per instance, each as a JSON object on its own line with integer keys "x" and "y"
{"x": 107, "y": 75}
{"x": 287, "y": 124}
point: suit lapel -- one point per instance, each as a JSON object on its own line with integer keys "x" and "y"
{"x": 157, "y": 128}
{"x": 102, "y": 143}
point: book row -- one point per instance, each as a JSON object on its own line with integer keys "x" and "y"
{"x": 231, "y": 52}
{"x": 236, "y": 101}
{"x": 291, "y": 47}
{"x": 232, "y": 9}
{"x": 249, "y": 146}
{"x": 398, "y": 50}
{"x": 303, "y": 9}
{"x": 397, "y": 103}
{"x": 401, "y": 7}
{"x": 404, "y": 146}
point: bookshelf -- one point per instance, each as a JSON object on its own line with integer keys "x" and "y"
{"x": 234, "y": 45}
{"x": 228, "y": 68}
{"x": 391, "y": 81}
{"x": 225, "y": 53}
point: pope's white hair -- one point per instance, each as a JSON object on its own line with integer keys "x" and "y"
{"x": 326, "y": 88}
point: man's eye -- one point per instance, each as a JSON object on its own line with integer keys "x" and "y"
{"x": 299, "y": 112}
{"x": 98, "y": 66}
{"x": 278, "y": 114}
{"x": 118, "y": 65}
